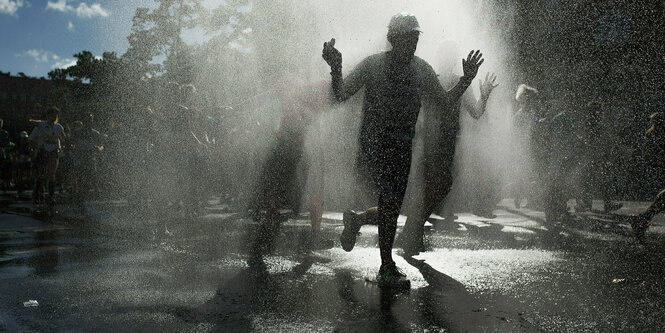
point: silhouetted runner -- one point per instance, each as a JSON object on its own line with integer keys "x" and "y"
{"x": 594, "y": 156}
{"x": 394, "y": 83}
{"x": 655, "y": 156}
{"x": 46, "y": 137}
{"x": 440, "y": 137}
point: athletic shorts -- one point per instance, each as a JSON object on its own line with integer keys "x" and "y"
{"x": 385, "y": 171}
{"x": 44, "y": 157}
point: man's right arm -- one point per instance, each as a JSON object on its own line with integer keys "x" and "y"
{"x": 342, "y": 90}
{"x": 470, "y": 67}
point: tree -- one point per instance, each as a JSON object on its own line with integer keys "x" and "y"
{"x": 58, "y": 74}
{"x": 113, "y": 86}
{"x": 155, "y": 43}
{"x": 93, "y": 84}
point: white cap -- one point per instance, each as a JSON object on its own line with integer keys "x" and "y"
{"x": 402, "y": 23}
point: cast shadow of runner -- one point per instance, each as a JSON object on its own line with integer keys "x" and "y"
{"x": 251, "y": 292}
{"x": 443, "y": 305}
{"x": 446, "y": 302}
{"x": 256, "y": 292}
{"x": 365, "y": 307}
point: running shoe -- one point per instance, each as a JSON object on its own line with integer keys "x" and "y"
{"x": 413, "y": 248}
{"x": 412, "y": 243}
{"x": 612, "y": 206}
{"x": 351, "y": 229}
{"x": 639, "y": 226}
{"x": 390, "y": 276}
{"x": 582, "y": 206}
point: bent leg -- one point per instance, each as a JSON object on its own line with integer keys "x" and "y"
{"x": 436, "y": 187}
{"x": 641, "y": 222}
{"x": 656, "y": 207}
{"x": 436, "y": 191}
{"x": 370, "y": 216}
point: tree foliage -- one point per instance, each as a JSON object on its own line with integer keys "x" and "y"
{"x": 157, "y": 54}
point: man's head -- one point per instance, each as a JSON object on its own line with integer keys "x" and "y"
{"x": 403, "y": 34}
{"x": 37, "y": 110}
{"x": 52, "y": 114}
{"x": 77, "y": 124}
{"x": 526, "y": 95}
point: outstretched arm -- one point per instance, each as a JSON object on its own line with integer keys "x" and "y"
{"x": 63, "y": 135}
{"x": 446, "y": 100}
{"x": 478, "y": 109}
{"x": 342, "y": 90}
{"x": 470, "y": 67}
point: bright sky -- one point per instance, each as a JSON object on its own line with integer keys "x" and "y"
{"x": 39, "y": 35}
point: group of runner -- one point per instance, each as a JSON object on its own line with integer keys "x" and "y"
{"x": 157, "y": 156}
{"x": 397, "y": 84}
{"x": 655, "y": 159}
{"x": 570, "y": 154}
{"x": 173, "y": 145}
{"x": 170, "y": 169}
{"x": 32, "y": 162}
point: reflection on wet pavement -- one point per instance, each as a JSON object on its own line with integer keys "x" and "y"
{"x": 491, "y": 270}
{"x": 507, "y": 274}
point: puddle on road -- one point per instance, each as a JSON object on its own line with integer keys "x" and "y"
{"x": 275, "y": 264}
{"x": 477, "y": 270}
{"x": 517, "y": 230}
{"x": 267, "y": 323}
{"x": 15, "y": 271}
{"x": 499, "y": 269}
{"x": 37, "y": 249}
{"x": 23, "y": 263}
{"x": 602, "y": 236}
{"x": 363, "y": 262}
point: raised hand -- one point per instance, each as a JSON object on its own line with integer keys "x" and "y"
{"x": 472, "y": 63}
{"x": 487, "y": 86}
{"x": 331, "y": 55}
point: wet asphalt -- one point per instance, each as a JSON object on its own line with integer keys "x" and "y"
{"x": 127, "y": 269}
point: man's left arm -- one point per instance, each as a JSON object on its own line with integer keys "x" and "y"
{"x": 446, "y": 99}
{"x": 477, "y": 109}
{"x": 63, "y": 135}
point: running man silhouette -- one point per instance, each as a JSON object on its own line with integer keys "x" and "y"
{"x": 395, "y": 82}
